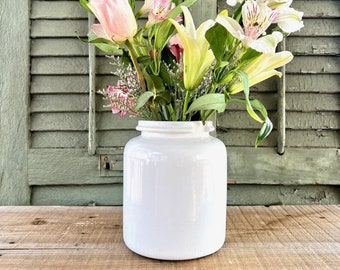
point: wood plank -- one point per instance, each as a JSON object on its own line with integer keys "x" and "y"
{"x": 311, "y": 9}
{"x": 313, "y": 45}
{"x": 314, "y": 65}
{"x": 314, "y": 83}
{"x": 66, "y": 166}
{"x": 58, "y": 47}
{"x": 295, "y": 120}
{"x": 61, "y": 9}
{"x": 60, "y": 103}
{"x": 59, "y": 139}
{"x": 319, "y": 27}
{"x": 57, "y": 10}
{"x": 294, "y": 138}
{"x": 108, "y": 194}
{"x": 59, "y": 66}
{"x": 63, "y": 28}
{"x": 294, "y": 102}
{"x": 296, "y": 166}
{"x": 76, "y": 121}
{"x": 316, "y": 120}
{"x": 59, "y": 121}
{"x": 236, "y": 194}
{"x": 281, "y": 195}
{"x": 114, "y": 138}
{"x": 14, "y": 96}
{"x": 59, "y": 28}
{"x": 59, "y": 84}
{"x": 289, "y": 237}
{"x": 203, "y": 10}
{"x": 306, "y": 102}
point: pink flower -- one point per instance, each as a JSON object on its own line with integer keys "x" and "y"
{"x": 117, "y": 21}
{"x": 120, "y": 99}
{"x": 256, "y": 18}
{"x": 176, "y": 47}
{"x": 159, "y": 11}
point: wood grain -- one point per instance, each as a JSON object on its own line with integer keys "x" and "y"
{"x": 276, "y": 237}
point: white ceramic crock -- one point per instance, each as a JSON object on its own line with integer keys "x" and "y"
{"x": 175, "y": 184}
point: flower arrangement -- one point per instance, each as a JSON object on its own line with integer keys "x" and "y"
{"x": 169, "y": 70}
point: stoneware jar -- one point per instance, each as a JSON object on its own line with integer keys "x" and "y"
{"x": 175, "y": 184}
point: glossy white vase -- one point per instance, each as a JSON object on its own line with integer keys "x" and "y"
{"x": 175, "y": 188}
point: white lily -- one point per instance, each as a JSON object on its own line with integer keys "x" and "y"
{"x": 197, "y": 57}
{"x": 262, "y": 68}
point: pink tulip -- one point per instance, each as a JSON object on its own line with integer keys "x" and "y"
{"x": 117, "y": 21}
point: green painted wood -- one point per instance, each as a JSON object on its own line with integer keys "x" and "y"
{"x": 78, "y": 195}
{"x": 296, "y": 166}
{"x": 313, "y": 45}
{"x": 58, "y": 47}
{"x": 79, "y": 102}
{"x": 61, "y": 9}
{"x": 61, "y": 139}
{"x": 317, "y": 9}
{"x": 57, "y": 10}
{"x": 14, "y": 77}
{"x": 60, "y": 65}
{"x": 58, "y": 28}
{"x": 319, "y": 27}
{"x": 277, "y": 195}
{"x": 59, "y": 84}
{"x": 231, "y": 137}
{"x": 316, "y": 83}
{"x": 236, "y": 195}
{"x": 66, "y": 167}
{"x": 229, "y": 119}
{"x": 77, "y": 65}
{"x": 313, "y": 65}
{"x": 60, "y": 103}
{"x": 59, "y": 121}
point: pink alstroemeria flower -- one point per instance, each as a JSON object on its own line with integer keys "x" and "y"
{"x": 120, "y": 100}
{"x": 256, "y": 18}
{"x": 287, "y": 18}
{"x": 117, "y": 21}
{"x": 176, "y": 47}
{"x": 160, "y": 11}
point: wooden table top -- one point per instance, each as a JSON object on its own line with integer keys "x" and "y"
{"x": 258, "y": 237}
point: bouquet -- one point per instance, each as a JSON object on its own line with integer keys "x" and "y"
{"x": 169, "y": 70}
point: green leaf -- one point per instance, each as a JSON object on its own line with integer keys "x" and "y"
{"x": 132, "y": 4}
{"x": 162, "y": 34}
{"x": 217, "y": 38}
{"x": 213, "y": 101}
{"x": 142, "y": 100}
{"x": 246, "y": 91}
{"x": 145, "y": 59}
{"x": 84, "y": 4}
{"x": 177, "y": 10}
{"x": 264, "y": 132}
{"x": 267, "y": 125}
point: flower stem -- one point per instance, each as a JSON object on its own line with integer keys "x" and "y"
{"x": 185, "y": 106}
{"x": 136, "y": 65}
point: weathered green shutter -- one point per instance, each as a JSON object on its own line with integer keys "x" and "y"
{"x": 72, "y": 136}
{"x": 303, "y": 150}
